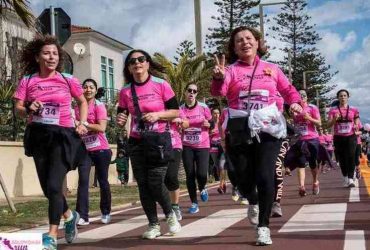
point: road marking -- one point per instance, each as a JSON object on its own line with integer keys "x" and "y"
{"x": 316, "y": 218}
{"x": 212, "y": 224}
{"x": 354, "y": 193}
{"x": 110, "y": 230}
{"x": 355, "y": 240}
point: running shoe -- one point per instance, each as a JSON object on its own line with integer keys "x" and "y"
{"x": 48, "y": 242}
{"x": 173, "y": 224}
{"x": 263, "y": 236}
{"x": 224, "y": 188}
{"x": 153, "y": 231}
{"x": 244, "y": 201}
{"x": 302, "y": 191}
{"x": 220, "y": 191}
{"x": 276, "y": 210}
{"x": 204, "y": 195}
{"x": 70, "y": 227}
{"x": 345, "y": 181}
{"x": 105, "y": 218}
{"x": 351, "y": 183}
{"x": 253, "y": 211}
{"x": 288, "y": 172}
{"x": 316, "y": 188}
{"x": 234, "y": 194}
{"x": 177, "y": 211}
{"x": 83, "y": 222}
{"x": 194, "y": 208}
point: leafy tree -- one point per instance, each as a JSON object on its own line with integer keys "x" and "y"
{"x": 188, "y": 70}
{"x": 232, "y": 13}
{"x": 186, "y": 48}
{"x": 21, "y": 8}
{"x": 293, "y": 28}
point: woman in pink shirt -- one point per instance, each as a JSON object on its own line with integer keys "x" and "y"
{"x": 250, "y": 83}
{"x": 157, "y": 106}
{"x": 196, "y": 118}
{"x": 99, "y": 155}
{"x": 307, "y": 147}
{"x": 51, "y": 138}
{"x": 345, "y": 120}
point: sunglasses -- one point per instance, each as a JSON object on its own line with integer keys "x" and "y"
{"x": 192, "y": 91}
{"x": 133, "y": 60}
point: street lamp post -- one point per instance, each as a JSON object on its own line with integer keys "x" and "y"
{"x": 198, "y": 27}
{"x": 304, "y": 77}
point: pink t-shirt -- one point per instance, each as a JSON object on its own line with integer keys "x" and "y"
{"x": 267, "y": 82}
{"x": 196, "y": 136}
{"x": 215, "y": 139}
{"x": 307, "y": 129}
{"x": 152, "y": 96}
{"x": 95, "y": 140}
{"x": 322, "y": 139}
{"x": 344, "y": 126}
{"x": 329, "y": 142}
{"x": 359, "y": 136}
{"x": 55, "y": 93}
{"x": 175, "y": 136}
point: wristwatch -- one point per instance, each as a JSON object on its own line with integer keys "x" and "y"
{"x": 85, "y": 123}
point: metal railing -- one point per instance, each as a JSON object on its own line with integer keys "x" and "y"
{"x": 111, "y": 96}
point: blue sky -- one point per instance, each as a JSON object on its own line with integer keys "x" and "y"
{"x": 160, "y": 25}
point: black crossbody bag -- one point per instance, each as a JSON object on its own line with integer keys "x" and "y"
{"x": 238, "y": 130}
{"x": 157, "y": 145}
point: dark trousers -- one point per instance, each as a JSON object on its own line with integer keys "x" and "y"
{"x": 214, "y": 165}
{"x": 345, "y": 148}
{"x": 172, "y": 176}
{"x": 196, "y": 161}
{"x": 150, "y": 180}
{"x": 51, "y": 170}
{"x": 101, "y": 160}
{"x": 279, "y": 176}
{"x": 255, "y": 169}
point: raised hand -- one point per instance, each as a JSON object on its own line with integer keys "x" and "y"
{"x": 219, "y": 69}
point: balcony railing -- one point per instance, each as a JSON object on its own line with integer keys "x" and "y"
{"x": 111, "y": 95}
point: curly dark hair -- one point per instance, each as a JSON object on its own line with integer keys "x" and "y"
{"x": 33, "y": 49}
{"x": 154, "y": 68}
{"x": 232, "y": 56}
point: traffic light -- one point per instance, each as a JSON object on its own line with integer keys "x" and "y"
{"x": 62, "y": 24}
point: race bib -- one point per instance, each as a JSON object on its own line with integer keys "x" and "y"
{"x": 303, "y": 129}
{"x": 91, "y": 141}
{"x": 259, "y": 98}
{"x": 48, "y": 114}
{"x": 344, "y": 127}
{"x": 193, "y": 135}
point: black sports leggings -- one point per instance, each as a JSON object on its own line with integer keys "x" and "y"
{"x": 345, "y": 148}
{"x": 279, "y": 176}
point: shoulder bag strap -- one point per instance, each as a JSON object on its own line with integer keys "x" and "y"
{"x": 250, "y": 87}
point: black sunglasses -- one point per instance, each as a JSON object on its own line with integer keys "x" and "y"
{"x": 133, "y": 60}
{"x": 192, "y": 91}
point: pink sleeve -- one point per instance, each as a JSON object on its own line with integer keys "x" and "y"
{"x": 182, "y": 114}
{"x": 101, "y": 112}
{"x": 21, "y": 91}
{"x": 76, "y": 87}
{"x": 207, "y": 113}
{"x": 286, "y": 89}
{"x": 331, "y": 113}
{"x": 220, "y": 87}
{"x": 315, "y": 113}
{"x": 167, "y": 93}
{"x": 357, "y": 113}
{"x": 122, "y": 101}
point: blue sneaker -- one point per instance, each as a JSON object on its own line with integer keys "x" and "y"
{"x": 194, "y": 208}
{"x": 204, "y": 195}
{"x": 48, "y": 242}
{"x": 70, "y": 228}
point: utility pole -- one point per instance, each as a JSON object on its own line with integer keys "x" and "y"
{"x": 52, "y": 21}
{"x": 198, "y": 27}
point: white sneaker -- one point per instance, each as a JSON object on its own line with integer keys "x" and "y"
{"x": 82, "y": 222}
{"x": 276, "y": 210}
{"x": 152, "y": 232}
{"x": 105, "y": 219}
{"x": 177, "y": 211}
{"x": 345, "y": 181}
{"x": 253, "y": 211}
{"x": 173, "y": 224}
{"x": 351, "y": 184}
{"x": 263, "y": 236}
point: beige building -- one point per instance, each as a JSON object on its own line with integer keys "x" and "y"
{"x": 97, "y": 56}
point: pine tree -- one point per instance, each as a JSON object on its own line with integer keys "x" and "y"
{"x": 185, "y": 48}
{"x": 294, "y": 30}
{"x": 232, "y": 13}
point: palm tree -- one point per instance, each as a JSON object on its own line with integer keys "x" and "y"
{"x": 21, "y": 8}
{"x": 196, "y": 70}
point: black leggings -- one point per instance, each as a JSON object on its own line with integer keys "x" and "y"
{"x": 345, "y": 149}
{"x": 172, "y": 176}
{"x": 358, "y": 155}
{"x": 255, "y": 168}
{"x": 150, "y": 181}
{"x": 279, "y": 176}
{"x": 196, "y": 161}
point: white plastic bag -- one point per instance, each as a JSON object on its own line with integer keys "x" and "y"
{"x": 268, "y": 120}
